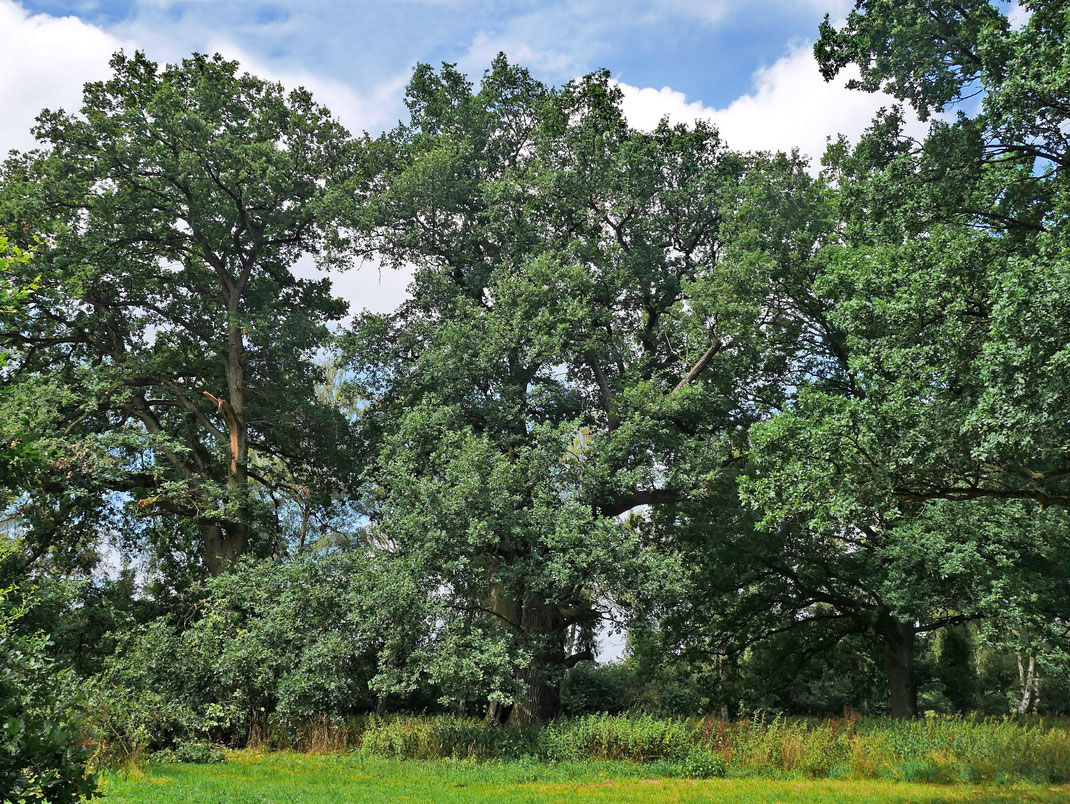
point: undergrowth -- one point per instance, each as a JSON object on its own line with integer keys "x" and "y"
{"x": 930, "y": 749}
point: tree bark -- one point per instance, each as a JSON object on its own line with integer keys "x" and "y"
{"x": 221, "y": 547}
{"x": 506, "y": 608}
{"x": 226, "y": 542}
{"x": 238, "y": 429}
{"x": 1028, "y": 680}
{"x": 544, "y": 625}
{"x": 898, "y": 638}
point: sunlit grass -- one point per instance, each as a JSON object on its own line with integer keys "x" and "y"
{"x": 253, "y": 778}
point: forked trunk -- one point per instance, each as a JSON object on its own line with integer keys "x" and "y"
{"x": 1029, "y": 683}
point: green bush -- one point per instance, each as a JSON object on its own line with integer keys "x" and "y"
{"x": 600, "y": 688}
{"x": 268, "y": 649}
{"x": 192, "y": 753}
{"x": 448, "y": 738}
{"x": 41, "y": 758}
{"x": 704, "y": 764}
{"x": 638, "y": 738}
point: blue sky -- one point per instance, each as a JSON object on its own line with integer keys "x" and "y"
{"x": 745, "y": 66}
{"x": 707, "y": 49}
{"x": 358, "y": 54}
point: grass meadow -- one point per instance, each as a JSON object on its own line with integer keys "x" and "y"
{"x": 626, "y": 758}
{"x": 252, "y": 777}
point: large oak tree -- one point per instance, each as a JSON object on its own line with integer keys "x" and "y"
{"x": 169, "y": 362}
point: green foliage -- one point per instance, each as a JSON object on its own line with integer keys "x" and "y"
{"x": 703, "y": 764}
{"x": 447, "y": 737}
{"x": 586, "y": 336}
{"x": 189, "y": 753}
{"x": 42, "y": 759}
{"x": 596, "y": 688}
{"x": 266, "y": 649}
{"x": 915, "y": 476}
{"x": 806, "y": 435}
{"x": 20, "y": 454}
{"x": 172, "y": 351}
{"x": 637, "y": 738}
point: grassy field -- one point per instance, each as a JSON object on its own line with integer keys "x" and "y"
{"x": 253, "y": 778}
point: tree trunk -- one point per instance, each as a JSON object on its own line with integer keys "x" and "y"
{"x": 572, "y": 644}
{"x": 225, "y": 543}
{"x": 898, "y": 640}
{"x": 221, "y": 548}
{"x": 1027, "y": 677}
{"x": 238, "y": 429}
{"x": 726, "y": 668}
{"x": 545, "y": 627}
{"x": 506, "y": 609}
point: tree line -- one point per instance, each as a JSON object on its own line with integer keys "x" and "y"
{"x": 760, "y": 417}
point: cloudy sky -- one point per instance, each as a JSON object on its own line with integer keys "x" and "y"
{"x": 745, "y": 64}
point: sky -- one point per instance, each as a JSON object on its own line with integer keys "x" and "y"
{"x": 746, "y": 65}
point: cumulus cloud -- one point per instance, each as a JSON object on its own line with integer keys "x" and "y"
{"x": 44, "y": 61}
{"x": 789, "y": 106}
{"x": 374, "y": 110}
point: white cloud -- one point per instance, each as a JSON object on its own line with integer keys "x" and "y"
{"x": 790, "y": 106}
{"x": 44, "y": 61}
{"x": 486, "y": 45}
{"x": 708, "y": 11}
{"x": 372, "y": 111}
{"x": 1018, "y": 15}
{"x": 367, "y": 286}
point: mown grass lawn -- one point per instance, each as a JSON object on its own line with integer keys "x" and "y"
{"x": 252, "y": 778}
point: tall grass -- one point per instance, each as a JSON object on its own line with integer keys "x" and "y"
{"x": 931, "y": 749}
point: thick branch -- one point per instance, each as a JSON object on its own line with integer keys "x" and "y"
{"x": 700, "y": 366}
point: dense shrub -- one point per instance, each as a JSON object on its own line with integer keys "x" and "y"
{"x": 192, "y": 753}
{"x": 601, "y": 688}
{"x": 268, "y": 649}
{"x": 639, "y": 738}
{"x": 41, "y": 758}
